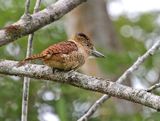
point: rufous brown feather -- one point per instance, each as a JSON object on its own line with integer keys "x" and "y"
{"x": 67, "y": 55}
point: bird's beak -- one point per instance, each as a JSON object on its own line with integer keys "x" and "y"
{"x": 95, "y": 53}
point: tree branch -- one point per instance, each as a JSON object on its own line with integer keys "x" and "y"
{"x": 27, "y": 4}
{"x": 26, "y": 83}
{"x": 27, "y": 25}
{"x": 82, "y": 81}
{"x": 124, "y": 76}
{"x": 153, "y": 87}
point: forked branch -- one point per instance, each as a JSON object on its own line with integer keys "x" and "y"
{"x": 27, "y": 25}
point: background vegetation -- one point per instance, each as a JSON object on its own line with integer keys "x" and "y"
{"x": 61, "y": 102}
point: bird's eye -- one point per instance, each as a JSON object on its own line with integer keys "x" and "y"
{"x": 83, "y": 35}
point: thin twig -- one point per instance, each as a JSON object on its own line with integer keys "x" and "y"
{"x": 153, "y": 87}
{"x": 27, "y": 4}
{"x": 26, "y": 83}
{"x": 124, "y": 76}
{"x": 37, "y": 5}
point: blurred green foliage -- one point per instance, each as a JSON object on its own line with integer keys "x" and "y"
{"x": 64, "y": 101}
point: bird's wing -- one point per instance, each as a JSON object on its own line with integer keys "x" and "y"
{"x": 61, "y": 48}
{"x": 65, "y": 47}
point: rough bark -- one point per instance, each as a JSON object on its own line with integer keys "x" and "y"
{"x": 82, "y": 81}
{"x": 30, "y": 23}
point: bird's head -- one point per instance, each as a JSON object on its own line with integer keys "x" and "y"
{"x": 87, "y": 43}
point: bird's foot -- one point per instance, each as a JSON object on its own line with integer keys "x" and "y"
{"x": 55, "y": 70}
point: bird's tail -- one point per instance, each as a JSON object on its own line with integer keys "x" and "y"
{"x": 33, "y": 57}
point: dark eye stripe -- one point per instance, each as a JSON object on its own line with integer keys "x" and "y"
{"x": 83, "y": 35}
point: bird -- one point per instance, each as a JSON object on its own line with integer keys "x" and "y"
{"x": 67, "y": 55}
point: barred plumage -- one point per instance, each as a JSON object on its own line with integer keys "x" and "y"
{"x": 66, "y": 55}
{"x": 61, "y": 48}
{"x": 33, "y": 57}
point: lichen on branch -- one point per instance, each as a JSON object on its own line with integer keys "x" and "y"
{"x": 82, "y": 81}
{"x": 37, "y": 20}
